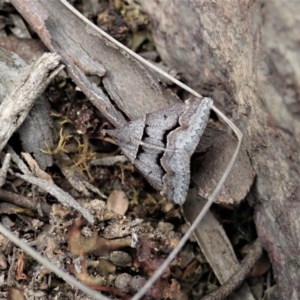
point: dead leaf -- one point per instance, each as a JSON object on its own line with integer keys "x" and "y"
{"x": 80, "y": 245}
{"x": 209, "y": 168}
{"x": 212, "y": 238}
{"x": 20, "y": 267}
{"x": 262, "y": 266}
{"x": 118, "y": 202}
{"x": 15, "y": 294}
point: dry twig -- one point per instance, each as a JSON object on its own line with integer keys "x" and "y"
{"x": 23, "y": 201}
{"x": 58, "y": 193}
{"x": 235, "y": 281}
{"x": 49, "y": 187}
{"x": 15, "y": 107}
{"x": 4, "y": 169}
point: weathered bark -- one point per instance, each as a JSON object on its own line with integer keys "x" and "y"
{"x": 245, "y": 55}
{"x": 11, "y": 66}
{"x": 29, "y": 86}
{"x": 86, "y": 51}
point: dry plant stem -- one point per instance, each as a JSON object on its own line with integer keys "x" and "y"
{"x": 213, "y": 196}
{"x": 212, "y": 238}
{"x": 58, "y": 193}
{"x": 16, "y": 159}
{"x": 11, "y": 273}
{"x": 49, "y": 187}
{"x": 215, "y": 193}
{"x": 15, "y": 107}
{"x": 235, "y": 281}
{"x": 74, "y": 176}
{"x": 60, "y": 273}
{"x": 220, "y": 184}
{"x": 4, "y": 169}
{"x": 187, "y": 235}
{"x": 153, "y": 67}
{"x": 83, "y": 157}
{"x": 93, "y": 189}
{"x": 23, "y": 201}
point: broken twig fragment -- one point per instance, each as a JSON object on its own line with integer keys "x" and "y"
{"x": 240, "y": 275}
{"x": 4, "y": 168}
{"x": 58, "y": 193}
{"x": 15, "y": 107}
{"x": 48, "y": 186}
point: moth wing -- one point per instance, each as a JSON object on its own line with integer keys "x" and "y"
{"x": 159, "y": 124}
{"x": 191, "y": 125}
{"x": 183, "y": 140}
{"x": 177, "y": 178}
{"x": 127, "y": 137}
{"x": 146, "y": 163}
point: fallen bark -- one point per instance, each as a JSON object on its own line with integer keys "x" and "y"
{"x": 16, "y": 106}
{"x": 245, "y": 55}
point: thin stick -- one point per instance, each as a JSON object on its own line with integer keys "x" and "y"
{"x": 150, "y": 65}
{"x": 187, "y": 235}
{"x": 217, "y": 190}
{"x": 49, "y": 187}
{"x": 4, "y": 169}
{"x": 32, "y": 83}
{"x": 241, "y": 274}
{"x": 60, "y": 273}
{"x": 63, "y": 197}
